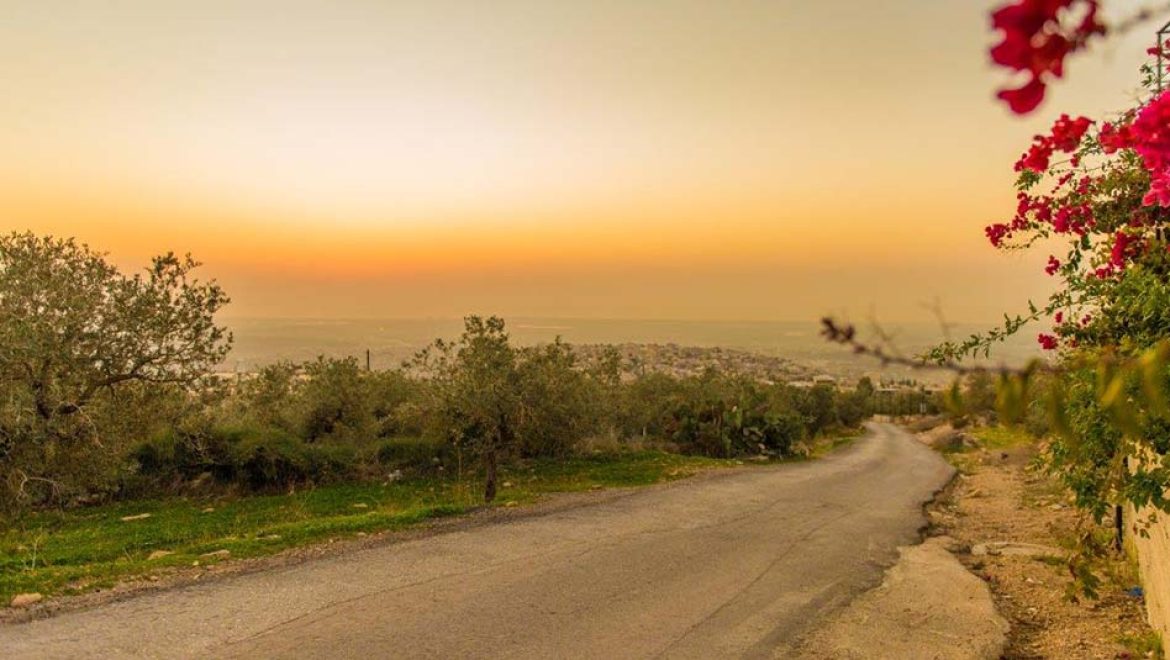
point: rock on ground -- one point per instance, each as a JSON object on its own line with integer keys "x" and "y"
{"x": 928, "y": 606}
{"x": 24, "y": 600}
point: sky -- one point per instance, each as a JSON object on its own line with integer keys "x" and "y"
{"x": 683, "y": 159}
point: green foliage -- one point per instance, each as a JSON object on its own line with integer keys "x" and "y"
{"x": 1144, "y": 645}
{"x": 258, "y": 458}
{"x": 337, "y": 402}
{"x": 76, "y": 338}
{"x": 556, "y": 401}
{"x": 412, "y": 453}
{"x": 105, "y": 393}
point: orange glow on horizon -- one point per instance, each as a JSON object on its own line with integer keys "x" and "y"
{"x": 668, "y": 158}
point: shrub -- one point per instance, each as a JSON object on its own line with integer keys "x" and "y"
{"x": 418, "y": 454}
{"x": 257, "y": 458}
{"x": 276, "y": 459}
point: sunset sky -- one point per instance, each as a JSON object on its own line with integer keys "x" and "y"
{"x": 735, "y": 159}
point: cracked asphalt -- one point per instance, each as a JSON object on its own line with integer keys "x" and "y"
{"x": 734, "y": 565}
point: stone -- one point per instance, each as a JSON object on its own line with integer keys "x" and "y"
{"x": 947, "y": 440}
{"x": 159, "y": 554}
{"x": 506, "y": 484}
{"x": 1012, "y": 548}
{"x": 217, "y": 554}
{"x": 26, "y": 600}
{"x": 139, "y": 516}
{"x": 209, "y": 509}
{"x": 361, "y": 505}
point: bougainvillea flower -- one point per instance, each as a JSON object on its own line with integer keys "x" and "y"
{"x": 997, "y": 233}
{"x": 1052, "y": 267}
{"x": 1024, "y": 99}
{"x": 1067, "y": 132}
{"x": 1048, "y": 342}
{"x": 1150, "y": 138}
{"x": 1114, "y": 137}
{"x": 1036, "y": 40}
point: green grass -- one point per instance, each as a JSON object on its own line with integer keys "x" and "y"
{"x": 56, "y": 552}
{"x": 1002, "y": 437}
{"x": 1144, "y": 645}
{"x": 829, "y": 445}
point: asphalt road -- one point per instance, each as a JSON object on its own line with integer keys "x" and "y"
{"x": 731, "y": 565}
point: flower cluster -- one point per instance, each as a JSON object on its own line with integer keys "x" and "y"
{"x": 1148, "y": 135}
{"x": 1048, "y": 342}
{"x": 1037, "y": 36}
{"x": 1053, "y": 266}
{"x": 1107, "y": 189}
{"x": 1067, "y": 209}
{"x": 1065, "y": 137}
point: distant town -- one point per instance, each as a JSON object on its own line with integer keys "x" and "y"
{"x": 681, "y": 361}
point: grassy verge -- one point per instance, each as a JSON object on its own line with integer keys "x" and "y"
{"x": 1002, "y": 437}
{"x": 966, "y": 459}
{"x": 64, "y": 552}
{"x": 828, "y": 445}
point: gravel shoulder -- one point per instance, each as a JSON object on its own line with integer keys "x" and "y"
{"x": 1011, "y": 527}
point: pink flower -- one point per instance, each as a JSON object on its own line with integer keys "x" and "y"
{"x": 1048, "y": 342}
{"x": 1024, "y": 99}
{"x": 1052, "y": 267}
{"x": 1036, "y": 42}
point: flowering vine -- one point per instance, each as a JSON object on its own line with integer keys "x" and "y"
{"x": 1102, "y": 187}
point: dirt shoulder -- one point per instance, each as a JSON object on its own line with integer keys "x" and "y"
{"x": 928, "y": 606}
{"x": 1010, "y": 526}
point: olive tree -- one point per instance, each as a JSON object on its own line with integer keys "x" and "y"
{"x": 474, "y": 388}
{"x": 558, "y": 400}
{"x": 74, "y": 331}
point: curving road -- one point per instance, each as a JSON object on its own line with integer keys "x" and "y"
{"x": 732, "y": 565}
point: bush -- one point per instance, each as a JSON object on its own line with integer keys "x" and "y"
{"x": 276, "y": 459}
{"x": 257, "y": 458}
{"x": 417, "y": 454}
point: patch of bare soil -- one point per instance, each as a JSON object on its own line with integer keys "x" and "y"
{"x": 1011, "y": 527}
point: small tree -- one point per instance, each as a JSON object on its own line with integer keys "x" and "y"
{"x": 475, "y": 392}
{"x": 557, "y": 400}
{"x": 74, "y": 330}
{"x": 338, "y": 405}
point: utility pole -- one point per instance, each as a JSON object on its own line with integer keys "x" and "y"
{"x": 367, "y": 360}
{"x": 1163, "y": 36}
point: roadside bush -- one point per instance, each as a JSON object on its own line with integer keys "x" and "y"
{"x": 277, "y": 459}
{"x": 415, "y": 454}
{"x": 556, "y": 401}
{"x": 337, "y": 402}
{"x": 257, "y": 458}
